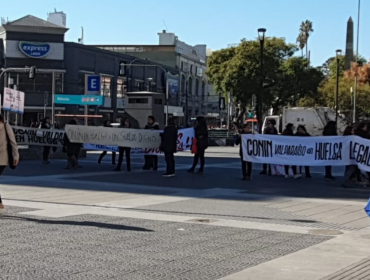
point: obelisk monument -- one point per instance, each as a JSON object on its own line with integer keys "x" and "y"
{"x": 349, "y": 45}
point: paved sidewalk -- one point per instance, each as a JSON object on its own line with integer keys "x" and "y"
{"x": 94, "y": 223}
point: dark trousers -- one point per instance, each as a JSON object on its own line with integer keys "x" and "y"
{"x": 328, "y": 171}
{"x": 170, "y": 161}
{"x": 151, "y": 161}
{"x": 103, "y": 154}
{"x": 294, "y": 168}
{"x": 265, "y": 168}
{"x": 246, "y": 168}
{"x": 197, "y": 156}
{"x": 1, "y": 172}
{"x": 122, "y": 152}
{"x": 45, "y": 153}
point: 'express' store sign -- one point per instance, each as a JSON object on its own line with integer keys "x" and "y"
{"x": 34, "y": 50}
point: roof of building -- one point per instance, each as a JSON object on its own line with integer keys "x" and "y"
{"x": 30, "y": 21}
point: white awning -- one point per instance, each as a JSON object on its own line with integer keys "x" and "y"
{"x": 176, "y": 111}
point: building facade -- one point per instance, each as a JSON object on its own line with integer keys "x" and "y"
{"x": 62, "y": 68}
{"x": 196, "y": 96}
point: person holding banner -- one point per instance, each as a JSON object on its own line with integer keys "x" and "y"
{"x": 103, "y": 154}
{"x": 329, "y": 130}
{"x": 8, "y": 145}
{"x": 201, "y": 136}
{"x": 124, "y": 150}
{"x": 45, "y": 124}
{"x": 246, "y": 165}
{"x": 151, "y": 161}
{"x": 302, "y": 132}
{"x": 169, "y": 147}
{"x": 270, "y": 129}
{"x": 288, "y": 131}
{"x": 72, "y": 149}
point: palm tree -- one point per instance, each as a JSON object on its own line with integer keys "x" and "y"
{"x": 306, "y": 29}
{"x": 301, "y": 40}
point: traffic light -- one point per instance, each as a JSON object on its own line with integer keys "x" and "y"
{"x": 32, "y": 73}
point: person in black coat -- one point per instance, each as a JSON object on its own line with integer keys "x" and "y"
{"x": 102, "y": 155}
{"x": 302, "y": 132}
{"x": 124, "y": 150}
{"x": 201, "y": 136}
{"x": 288, "y": 131}
{"x": 45, "y": 124}
{"x": 169, "y": 147}
{"x": 270, "y": 129}
{"x": 246, "y": 165}
{"x": 72, "y": 149}
{"x": 329, "y": 130}
{"x": 151, "y": 161}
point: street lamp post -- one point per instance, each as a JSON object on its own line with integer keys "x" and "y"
{"x": 261, "y": 37}
{"x": 338, "y": 54}
{"x": 149, "y": 65}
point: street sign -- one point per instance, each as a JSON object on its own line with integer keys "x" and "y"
{"x": 73, "y": 99}
{"x": 93, "y": 84}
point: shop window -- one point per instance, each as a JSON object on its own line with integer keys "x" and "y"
{"x": 106, "y": 86}
{"x": 121, "y": 87}
{"x": 158, "y": 101}
{"x": 138, "y": 100}
{"x": 41, "y": 83}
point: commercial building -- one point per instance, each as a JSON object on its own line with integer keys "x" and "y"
{"x": 62, "y": 68}
{"x": 197, "y": 96}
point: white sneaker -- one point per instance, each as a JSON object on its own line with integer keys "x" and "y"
{"x": 297, "y": 176}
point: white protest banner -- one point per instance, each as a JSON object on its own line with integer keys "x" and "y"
{"x": 38, "y": 137}
{"x": 307, "y": 151}
{"x": 123, "y": 137}
{"x": 184, "y": 140}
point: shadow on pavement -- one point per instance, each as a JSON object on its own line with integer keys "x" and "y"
{"x": 76, "y": 223}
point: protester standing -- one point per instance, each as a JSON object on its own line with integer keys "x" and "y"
{"x": 124, "y": 150}
{"x": 246, "y": 165}
{"x": 363, "y": 132}
{"x": 151, "y": 161}
{"x": 169, "y": 147}
{"x": 6, "y": 138}
{"x": 329, "y": 130}
{"x": 270, "y": 129}
{"x": 71, "y": 149}
{"x": 103, "y": 154}
{"x": 201, "y": 142}
{"x": 350, "y": 170}
{"x": 45, "y": 124}
{"x": 302, "y": 132}
{"x": 288, "y": 131}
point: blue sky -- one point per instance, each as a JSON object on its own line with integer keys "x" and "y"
{"x": 216, "y": 23}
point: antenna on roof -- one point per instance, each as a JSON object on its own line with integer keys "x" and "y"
{"x": 81, "y": 40}
{"x": 165, "y": 25}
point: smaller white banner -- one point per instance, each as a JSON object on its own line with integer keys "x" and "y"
{"x": 13, "y": 100}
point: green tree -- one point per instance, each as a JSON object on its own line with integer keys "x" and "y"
{"x": 306, "y": 29}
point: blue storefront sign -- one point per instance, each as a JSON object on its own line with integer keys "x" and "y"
{"x": 173, "y": 84}
{"x": 34, "y": 50}
{"x": 78, "y": 99}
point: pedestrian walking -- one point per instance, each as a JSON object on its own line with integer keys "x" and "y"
{"x": 246, "y": 165}
{"x": 270, "y": 129}
{"x": 288, "y": 131}
{"x": 302, "y": 132}
{"x": 45, "y": 124}
{"x": 151, "y": 161}
{"x": 8, "y": 150}
{"x": 71, "y": 149}
{"x": 103, "y": 154}
{"x": 169, "y": 147}
{"x": 124, "y": 150}
{"x": 201, "y": 142}
{"x": 329, "y": 130}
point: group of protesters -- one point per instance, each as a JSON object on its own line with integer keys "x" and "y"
{"x": 352, "y": 174}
